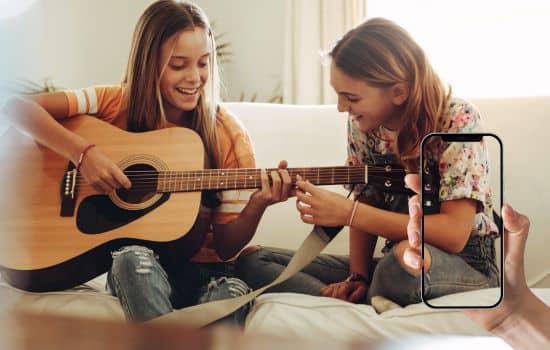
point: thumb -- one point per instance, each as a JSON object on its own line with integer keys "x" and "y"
{"x": 515, "y": 238}
{"x": 305, "y": 186}
{"x": 357, "y": 294}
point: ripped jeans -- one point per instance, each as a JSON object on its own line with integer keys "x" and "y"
{"x": 147, "y": 290}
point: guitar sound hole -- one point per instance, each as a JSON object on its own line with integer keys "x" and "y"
{"x": 144, "y": 179}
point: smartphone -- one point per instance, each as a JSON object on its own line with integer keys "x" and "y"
{"x": 461, "y": 230}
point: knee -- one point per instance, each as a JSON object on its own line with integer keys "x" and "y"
{"x": 132, "y": 260}
{"x": 248, "y": 260}
{"x": 224, "y": 288}
{"x": 399, "y": 252}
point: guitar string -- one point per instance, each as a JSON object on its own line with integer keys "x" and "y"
{"x": 340, "y": 168}
{"x": 138, "y": 182}
{"x": 195, "y": 173}
{"x": 239, "y": 177}
{"x": 191, "y": 186}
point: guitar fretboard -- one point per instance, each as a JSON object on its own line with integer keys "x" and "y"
{"x": 225, "y": 179}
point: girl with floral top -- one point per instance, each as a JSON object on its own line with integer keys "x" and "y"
{"x": 394, "y": 98}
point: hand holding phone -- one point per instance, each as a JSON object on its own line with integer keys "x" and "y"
{"x": 461, "y": 194}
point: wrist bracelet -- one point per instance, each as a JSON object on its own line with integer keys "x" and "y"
{"x": 353, "y": 212}
{"x": 81, "y": 158}
{"x": 357, "y": 277}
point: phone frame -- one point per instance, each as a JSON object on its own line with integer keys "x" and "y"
{"x": 463, "y": 137}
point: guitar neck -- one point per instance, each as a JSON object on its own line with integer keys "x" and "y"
{"x": 226, "y": 179}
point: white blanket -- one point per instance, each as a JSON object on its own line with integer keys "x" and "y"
{"x": 287, "y": 314}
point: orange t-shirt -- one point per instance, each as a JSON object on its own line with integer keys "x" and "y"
{"x": 237, "y": 151}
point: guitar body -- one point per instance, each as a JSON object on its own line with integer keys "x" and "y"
{"x": 43, "y": 250}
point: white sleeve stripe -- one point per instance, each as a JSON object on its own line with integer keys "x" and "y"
{"x": 236, "y": 195}
{"x": 81, "y": 101}
{"x": 230, "y": 208}
{"x": 92, "y": 98}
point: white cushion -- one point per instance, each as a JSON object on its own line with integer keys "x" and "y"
{"x": 88, "y": 300}
{"x": 297, "y": 315}
{"x": 288, "y": 314}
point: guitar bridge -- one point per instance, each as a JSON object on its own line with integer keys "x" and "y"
{"x": 68, "y": 190}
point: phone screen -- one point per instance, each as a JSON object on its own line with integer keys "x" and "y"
{"x": 462, "y": 230}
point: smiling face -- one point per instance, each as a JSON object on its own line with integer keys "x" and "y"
{"x": 368, "y": 106}
{"x": 185, "y": 67}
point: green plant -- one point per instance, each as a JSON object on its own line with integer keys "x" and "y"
{"x": 276, "y": 96}
{"x": 223, "y": 50}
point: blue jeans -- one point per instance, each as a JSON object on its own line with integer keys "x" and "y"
{"x": 146, "y": 289}
{"x": 263, "y": 266}
{"x": 471, "y": 269}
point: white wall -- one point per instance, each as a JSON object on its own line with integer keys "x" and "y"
{"x": 80, "y": 43}
{"x": 254, "y": 29}
{"x": 76, "y": 43}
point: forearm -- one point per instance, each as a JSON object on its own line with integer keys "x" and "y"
{"x": 440, "y": 229}
{"x": 230, "y": 238}
{"x": 361, "y": 249}
{"x": 33, "y": 119}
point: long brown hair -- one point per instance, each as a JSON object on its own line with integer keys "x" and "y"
{"x": 143, "y": 100}
{"x": 383, "y": 54}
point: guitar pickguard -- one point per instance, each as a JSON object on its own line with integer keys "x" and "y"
{"x": 98, "y": 214}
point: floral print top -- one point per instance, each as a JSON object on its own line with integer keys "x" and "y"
{"x": 463, "y": 166}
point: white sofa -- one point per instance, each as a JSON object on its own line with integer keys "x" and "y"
{"x": 316, "y": 136}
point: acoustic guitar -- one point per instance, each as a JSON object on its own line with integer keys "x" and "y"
{"x": 56, "y": 231}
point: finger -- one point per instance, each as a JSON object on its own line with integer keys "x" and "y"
{"x": 304, "y": 198}
{"x": 357, "y": 294}
{"x": 122, "y": 179}
{"x": 294, "y": 190}
{"x": 308, "y": 219}
{"x": 342, "y": 291}
{"x": 412, "y": 258}
{"x": 283, "y": 164}
{"x": 414, "y": 200}
{"x": 265, "y": 181}
{"x": 327, "y": 290}
{"x": 413, "y": 236}
{"x": 515, "y": 238}
{"x": 514, "y": 222}
{"x": 304, "y": 209}
{"x": 306, "y": 186}
{"x": 110, "y": 182}
{"x": 413, "y": 182}
{"x": 414, "y": 223}
{"x": 276, "y": 186}
{"x": 346, "y": 290}
{"x": 287, "y": 184}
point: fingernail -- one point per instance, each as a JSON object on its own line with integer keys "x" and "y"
{"x": 416, "y": 261}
